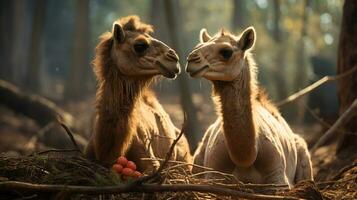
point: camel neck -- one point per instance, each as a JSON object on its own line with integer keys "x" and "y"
{"x": 117, "y": 97}
{"x": 234, "y": 102}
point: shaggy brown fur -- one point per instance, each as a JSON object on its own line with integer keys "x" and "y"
{"x": 129, "y": 119}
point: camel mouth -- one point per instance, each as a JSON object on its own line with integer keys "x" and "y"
{"x": 168, "y": 73}
{"x": 199, "y": 72}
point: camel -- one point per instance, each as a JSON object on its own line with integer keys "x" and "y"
{"x": 129, "y": 120}
{"x": 250, "y": 139}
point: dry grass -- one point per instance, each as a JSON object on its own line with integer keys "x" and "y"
{"x": 70, "y": 168}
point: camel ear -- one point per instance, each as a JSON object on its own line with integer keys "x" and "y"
{"x": 204, "y": 36}
{"x": 118, "y": 33}
{"x": 247, "y": 40}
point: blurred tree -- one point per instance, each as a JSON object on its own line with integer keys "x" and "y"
{"x": 279, "y": 67}
{"x": 159, "y": 21}
{"x": 6, "y": 33}
{"x": 78, "y": 75}
{"x": 33, "y": 78}
{"x": 301, "y": 75}
{"x": 239, "y": 15}
{"x": 347, "y": 59}
{"x": 18, "y": 43}
{"x": 301, "y": 68}
{"x": 277, "y": 33}
{"x": 172, "y": 8}
{"x": 325, "y": 99}
{"x": 58, "y": 37}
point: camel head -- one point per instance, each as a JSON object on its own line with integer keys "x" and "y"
{"x": 136, "y": 53}
{"x": 220, "y": 57}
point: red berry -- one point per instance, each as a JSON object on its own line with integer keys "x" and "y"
{"x": 118, "y": 168}
{"x": 127, "y": 172}
{"x": 122, "y": 160}
{"x": 131, "y": 165}
{"x": 137, "y": 174}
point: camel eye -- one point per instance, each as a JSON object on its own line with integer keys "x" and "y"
{"x": 226, "y": 53}
{"x": 140, "y": 47}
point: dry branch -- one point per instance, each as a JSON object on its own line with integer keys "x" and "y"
{"x": 316, "y": 117}
{"x": 177, "y": 162}
{"x": 350, "y": 112}
{"x": 55, "y": 150}
{"x": 172, "y": 148}
{"x": 315, "y": 85}
{"x": 129, "y": 188}
{"x": 70, "y": 134}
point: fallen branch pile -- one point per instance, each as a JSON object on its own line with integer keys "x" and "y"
{"x": 62, "y": 174}
{"x": 56, "y": 173}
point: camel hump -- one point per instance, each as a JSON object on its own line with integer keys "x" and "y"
{"x": 263, "y": 99}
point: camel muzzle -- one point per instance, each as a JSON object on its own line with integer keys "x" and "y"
{"x": 169, "y": 69}
{"x": 196, "y": 65}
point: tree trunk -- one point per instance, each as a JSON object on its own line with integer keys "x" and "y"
{"x": 6, "y": 24}
{"x": 239, "y": 15}
{"x": 172, "y": 9}
{"x": 33, "y": 78}
{"x": 280, "y": 54}
{"x": 280, "y": 68}
{"x": 19, "y": 30}
{"x": 159, "y": 21}
{"x": 301, "y": 71}
{"x": 76, "y": 86}
{"x": 347, "y": 54}
{"x": 301, "y": 78}
{"x": 277, "y": 15}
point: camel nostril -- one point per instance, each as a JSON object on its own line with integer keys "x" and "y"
{"x": 194, "y": 58}
{"x": 171, "y": 55}
{"x": 171, "y": 51}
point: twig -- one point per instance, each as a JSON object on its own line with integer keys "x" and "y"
{"x": 323, "y": 185}
{"x": 28, "y": 197}
{"x": 342, "y": 120}
{"x": 172, "y": 148}
{"x": 316, "y": 117}
{"x": 70, "y": 134}
{"x": 214, "y": 172}
{"x": 178, "y": 162}
{"x": 344, "y": 169}
{"x": 128, "y": 188}
{"x": 315, "y": 85}
{"x": 254, "y": 186}
{"x": 58, "y": 150}
{"x": 323, "y": 123}
{"x": 156, "y": 174}
{"x": 54, "y": 150}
